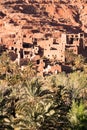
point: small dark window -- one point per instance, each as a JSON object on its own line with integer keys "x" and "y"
{"x": 31, "y": 55}
{"x": 26, "y": 45}
{"x": 38, "y": 61}
{"x": 52, "y": 48}
{"x": 12, "y": 48}
{"x": 24, "y": 35}
{"x": 76, "y": 39}
{"x": 54, "y": 41}
{"x": 26, "y": 52}
{"x": 35, "y": 41}
{"x": 76, "y": 36}
{"x": 81, "y": 35}
{"x": 71, "y": 41}
{"x": 15, "y": 49}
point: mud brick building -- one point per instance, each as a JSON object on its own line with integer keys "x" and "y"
{"x": 38, "y": 46}
{"x": 74, "y": 42}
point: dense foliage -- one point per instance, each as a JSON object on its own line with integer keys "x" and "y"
{"x": 28, "y": 102}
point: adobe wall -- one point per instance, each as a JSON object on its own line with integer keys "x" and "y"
{"x": 74, "y": 42}
{"x": 53, "y": 50}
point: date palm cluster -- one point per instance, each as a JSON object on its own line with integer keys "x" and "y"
{"x": 28, "y": 102}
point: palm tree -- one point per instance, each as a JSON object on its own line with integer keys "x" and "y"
{"x": 70, "y": 57}
{"x": 9, "y": 70}
{"x": 78, "y": 116}
{"x": 29, "y": 71}
{"x": 4, "y": 64}
{"x": 33, "y": 104}
{"x": 7, "y": 109}
{"x": 61, "y": 103}
{"x": 78, "y": 85}
{"x": 79, "y": 62}
{"x": 60, "y": 107}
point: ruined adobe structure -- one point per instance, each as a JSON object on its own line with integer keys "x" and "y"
{"x": 39, "y": 46}
{"x": 75, "y": 43}
{"x": 42, "y": 31}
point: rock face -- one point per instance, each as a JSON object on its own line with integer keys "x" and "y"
{"x": 27, "y": 17}
{"x": 60, "y": 14}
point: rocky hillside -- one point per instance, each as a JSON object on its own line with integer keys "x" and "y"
{"x": 43, "y": 15}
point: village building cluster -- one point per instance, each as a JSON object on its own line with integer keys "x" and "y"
{"x": 45, "y": 50}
